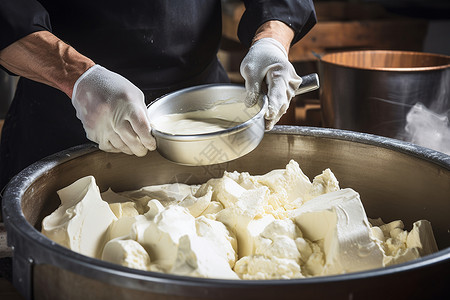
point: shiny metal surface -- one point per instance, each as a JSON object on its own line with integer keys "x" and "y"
{"x": 221, "y": 146}
{"x": 375, "y": 98}
{"x": 208, "y": 148}
{"x": 309, "y": 83}
{"x": 396, "y": 180}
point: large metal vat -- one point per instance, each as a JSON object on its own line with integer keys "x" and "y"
{"x": 396, "y": 180}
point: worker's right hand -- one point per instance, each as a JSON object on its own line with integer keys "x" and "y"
{"x": 267, "y": 62}
{"x": 113, "y": 112}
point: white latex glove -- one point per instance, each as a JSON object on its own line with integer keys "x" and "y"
{"x": 113, "y": 112}
{"x": 267, "y": 59}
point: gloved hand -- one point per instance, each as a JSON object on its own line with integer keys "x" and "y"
{"x": 267, "y": 59}
{"x": 113, "y": 112}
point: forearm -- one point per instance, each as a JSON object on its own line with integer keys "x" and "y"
{"x": 276, "y": 30}
{"x": 43, "y": 57}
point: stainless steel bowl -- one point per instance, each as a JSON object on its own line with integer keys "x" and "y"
{"x": 208, "y": 148}
{"x": 396, "y": 180}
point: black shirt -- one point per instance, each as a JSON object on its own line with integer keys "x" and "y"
{"x": 153, "y": 43}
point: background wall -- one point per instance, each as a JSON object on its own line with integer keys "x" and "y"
{"x": 437, "y": 12}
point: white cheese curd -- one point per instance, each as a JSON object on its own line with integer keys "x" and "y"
{"x": 399, "y": 245}
{"x": 338, "y": 219}
{"x": 81, "y": 221}
{"x": 262, "y": 267}
{"x": 222, "y": 241}
{"x": 167, "y": 194}
{"x": 197, "y": 204}
{"x": 421, "y": 237}
{"x": 278, "y": 239}
{"x": 162, "y": 235}
{"x": 278, "y": 225}
{"x": 196, "y": 257}
{"x": 128, "y": 253}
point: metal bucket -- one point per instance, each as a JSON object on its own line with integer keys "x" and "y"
{"x": 396, "y": 180}
{"x": 373, "y": 91}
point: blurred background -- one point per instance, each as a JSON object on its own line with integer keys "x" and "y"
{"x": 410, "y": 25}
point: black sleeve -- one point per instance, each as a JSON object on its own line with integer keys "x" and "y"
{"x": 18, "y": 18}
{"x": 297, "y": 14}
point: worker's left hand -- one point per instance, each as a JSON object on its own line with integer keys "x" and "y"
{"x": 113, "y": 112}
{"x": 267, "y": 60}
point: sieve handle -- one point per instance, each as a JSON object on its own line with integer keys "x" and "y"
{"x": 309, "y": 83}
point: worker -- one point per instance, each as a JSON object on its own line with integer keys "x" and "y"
{"x": 88, "y": 68}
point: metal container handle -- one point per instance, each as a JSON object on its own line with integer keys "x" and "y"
{"x": 309, "y": 83}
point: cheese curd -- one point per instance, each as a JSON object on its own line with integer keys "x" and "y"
{"x": 279, "y": 225}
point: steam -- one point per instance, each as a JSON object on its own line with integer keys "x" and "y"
{"x": 428, "y": 127}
